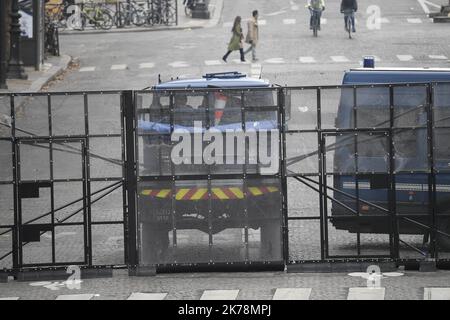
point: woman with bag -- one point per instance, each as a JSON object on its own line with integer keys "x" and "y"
{"x": 236, "y": 40}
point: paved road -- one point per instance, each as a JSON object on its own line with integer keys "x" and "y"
{"x": 240, "y": 286}
{"x": 287, "y": 51}
{"x": 288, "y": 55}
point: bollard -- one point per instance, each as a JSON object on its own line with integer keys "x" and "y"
{"x": 201, "y": 10}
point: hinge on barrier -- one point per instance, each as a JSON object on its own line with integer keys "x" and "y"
{"x": 28, "y": 190}
{"x": 32, "y": 232}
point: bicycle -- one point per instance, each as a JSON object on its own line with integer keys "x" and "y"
{"x": 51, "y": 38}
{"x": 96, "y": 15}
{"x": 56, "y": 12}
{"x": 315, "y": 21}
{"x": 348, "y": 15}
{"x": 189, "y": 5}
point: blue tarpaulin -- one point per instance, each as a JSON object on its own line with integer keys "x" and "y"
{"x": 156, "y": 127}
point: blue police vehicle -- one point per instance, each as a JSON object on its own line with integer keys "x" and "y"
{"x": 410, "y": 147}
{"x": 175, "y": 130}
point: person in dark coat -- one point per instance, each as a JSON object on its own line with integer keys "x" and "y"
{"x": 236, "y": 40}
{"x": 348, "y": 8}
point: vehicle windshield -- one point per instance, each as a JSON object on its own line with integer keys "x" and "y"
{"x": 213, "y": 108}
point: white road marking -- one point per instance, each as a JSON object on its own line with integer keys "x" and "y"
{"x": 58, "y": 235}
{"x": 147, "y": 296}
{"x": 275, "y": 60}
{"x": 118, "y": 67}
{"x": 414, "y": 20}
{"x": 213, "y": 62}
{"x": 85, "y": 296}
{"x": 437, "y": 57}
{"x": 184, "y": 46}
{"x": 40, "y": 283}
{"x": 366, "y": 294}
{"x": 54, "y": 286}
{"x": 289, "y": 21}
{"x": 383, "y": 20}
{"x": 10, "y": 298}
{"x": 275, "y": 13}
{"x": 425, "y": 3}
{"x": 339, "y": 59}
{"x": 436, "y": 294}
{"x": 292, "y": 294}
{"x": 114, "y": 239}
{"x": 179, "y": 64}
{"x": 238, "y": 61}
{"x": 255, "y": 70}
{"x": 219, "y": 295}
{"x": 405, "y": 57}
{"x": 87, "y": 69}
{"x": 262, "y": 22}
{"x": 307, "y": 60}
{"x": 323, "y": 21}
{"x": 146, "y": 65}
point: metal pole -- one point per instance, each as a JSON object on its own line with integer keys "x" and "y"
{"x": 128, "y": 19}
{"x": 131, "y": 179}
{"x": 3, "y": 45}
{"x": 15, "y": 66}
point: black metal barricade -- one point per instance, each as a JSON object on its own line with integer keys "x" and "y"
{"x": 225, "y": 179}
{"x": 63, "y": 194}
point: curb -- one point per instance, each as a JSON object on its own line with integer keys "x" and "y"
{"x": 112, "y": 31}
{"x": 50, "y": 74}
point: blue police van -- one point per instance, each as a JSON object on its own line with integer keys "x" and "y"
{"x": 362, "y": 164}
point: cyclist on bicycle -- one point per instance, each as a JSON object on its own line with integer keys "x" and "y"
{"x": 348, "y": 8}
{"x": 315, "y": 6}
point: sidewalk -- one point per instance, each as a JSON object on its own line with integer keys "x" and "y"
{"x": 215, "y": 7}
{"x": 37, "y": 79}
{"x": 403, "y": 285}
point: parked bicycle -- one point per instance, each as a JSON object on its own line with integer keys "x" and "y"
{"x": 105, "y": 15}
{"x": 51, "y": 38}
{"x": 189, "y": 6}
{"x": 97, "y": 16}
{"x": 56, "y": 11}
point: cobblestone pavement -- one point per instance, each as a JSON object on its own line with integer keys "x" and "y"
{"x": 251, "y": 286}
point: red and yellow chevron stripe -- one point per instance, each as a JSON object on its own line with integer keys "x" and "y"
{"x": 196, "y": 194}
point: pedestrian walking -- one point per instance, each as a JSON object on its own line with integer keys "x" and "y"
{"x": 236, "y": 40}
{"x": 252, "y": 35}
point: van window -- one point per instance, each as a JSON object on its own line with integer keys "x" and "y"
{"x": 373, "y": 112}
{"x": 224, "y": 108}
{"x": 441, "y": 117}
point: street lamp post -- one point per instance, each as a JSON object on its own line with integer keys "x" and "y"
{"x": 15, "y": 66}
{"x": 2, "y": 46}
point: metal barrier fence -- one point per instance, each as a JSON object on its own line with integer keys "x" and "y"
{"x": 62, "y": 194}
{"x": 104, "y": 14}
{"x": 211, "y": 179}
